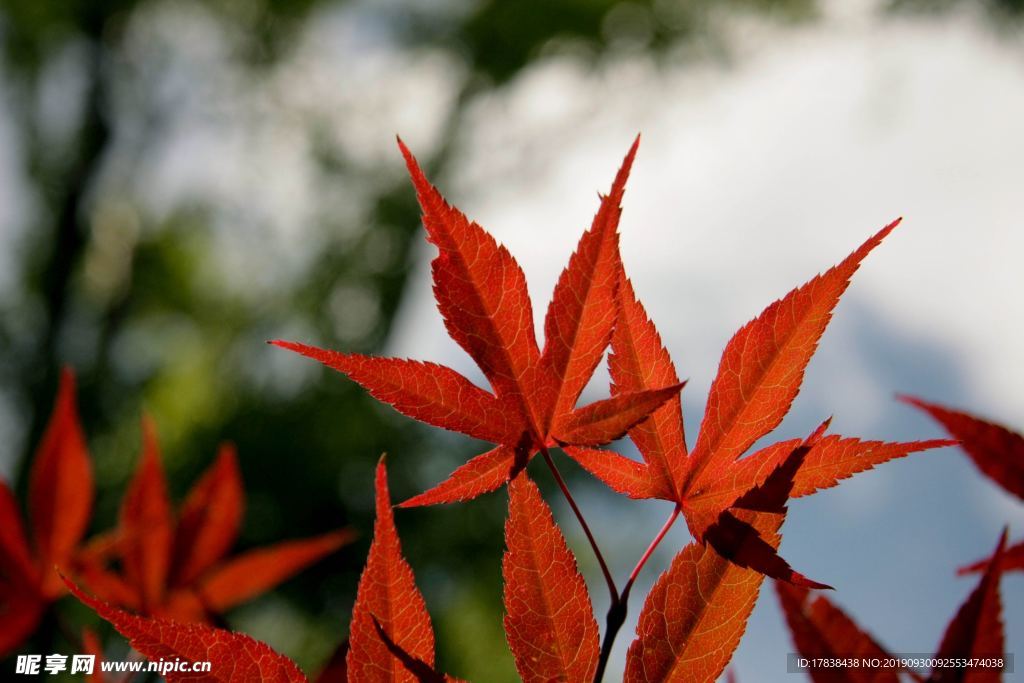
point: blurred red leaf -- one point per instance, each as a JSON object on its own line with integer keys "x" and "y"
{"x": 91, "y": 645}
{"x": 257, "y": 571}
{"x": 209, "y": 519}
{"x": 549, "y": 620}
{"x": 976, "y": 630}
{"x": 147, "y": 525}
{"x": 60, "y": 504}
{"x": 60, "y": 487}
{"x": 16, "y": 564}
{"x": 820, "y": 629}
{"x": 1013, "y": 559}
{"x": 180, "y": 568}
{"x": 996, "y": 450}
{"x": 20, "y": 612}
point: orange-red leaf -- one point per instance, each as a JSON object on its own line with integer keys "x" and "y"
{"x": 696, "y": 613}
{"x": 835, "y": 458}
{"x": 549, "y": 620}
{"x": 619, "y": 473}
{"x": 740, "y": 542}
{"x": 423, "y": 672}
{"x": 428, "y": 392}
{"x": 147, "y": 525}
{"x": 481, "y": 293}
{"x": 820, "y": 629}
{"x": 60, "y": 487}
{"x": 482, "y": 474}
{"x": 604, "y": 421}
{"x": 977, "y": 629}
{"x": 996, "y": 450}
{"x": 387, "y": 593}
{"x": 763, "y": 366}
{"x": 742, "y": 476}
{"x": 260, "y": 570}
{"x": 639, "y": 361}
{"x": 209, "y": 519}
{"x": 580, "y": 318}
{"x": 233, "y": 657}
{"x": 826, "y": 464}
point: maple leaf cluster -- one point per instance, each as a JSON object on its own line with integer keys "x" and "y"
{"x": 156, "y": 561}
{"x": 820, "y": 629}
{"x": 733, "y": 501}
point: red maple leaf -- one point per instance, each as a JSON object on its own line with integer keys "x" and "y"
{"x": 549, "y": 619}
{"x": 1013, "y": 559}
{"x": 697, "y": 611}
{"x": 820, "y": 629}
{"x": 758, "y": 378}
{"x": 549, "y": 622}
{"x": 177, "y": 566}
{"x": 481, "y": 293}
{"x": 387, "y": 593}
{"x": 390, "y": 638}
{"x": 996, "y": 450}
{"x": 976, "y": 630}
{"x": 60, "y": 505}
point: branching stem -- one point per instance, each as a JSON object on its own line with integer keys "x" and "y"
{"x": 619, "y": 602}
{"x": 618, "y": 609}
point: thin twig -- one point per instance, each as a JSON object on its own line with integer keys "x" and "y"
{"x": 612, "y": 590}
{"x": 650, "y": 551}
